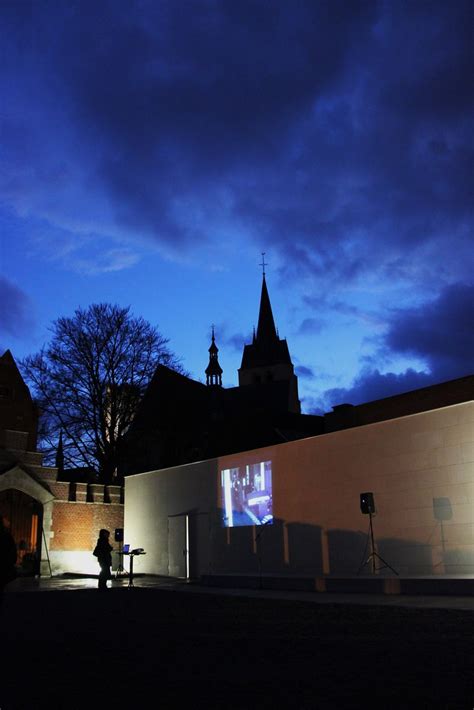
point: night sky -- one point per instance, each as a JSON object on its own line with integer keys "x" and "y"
{"x": 150, "y": 151}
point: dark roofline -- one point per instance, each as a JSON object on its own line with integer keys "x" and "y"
{"x": 442, "y": 394}
{"x": 468, "y": 380}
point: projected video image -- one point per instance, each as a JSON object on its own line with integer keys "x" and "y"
{"x": 246, "y": 495}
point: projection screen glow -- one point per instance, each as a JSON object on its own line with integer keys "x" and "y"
{"x": 246, "y": 495}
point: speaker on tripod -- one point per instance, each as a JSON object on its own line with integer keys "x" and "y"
{"x": 367, "y": 503}
{"x": 118, "y": 534}
{"x": 367, "y": 507}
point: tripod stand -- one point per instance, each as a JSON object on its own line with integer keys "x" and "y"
{"x": 373, "y": 555}
{"x": 120, "y": 568}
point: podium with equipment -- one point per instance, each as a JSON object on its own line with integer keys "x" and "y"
{"x": 132, "y": 554}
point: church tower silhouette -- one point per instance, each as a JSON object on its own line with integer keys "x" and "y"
{"x": 180, "y": 420}
{"x": 267, "y": 359}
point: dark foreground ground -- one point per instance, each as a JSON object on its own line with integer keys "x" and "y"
{"x": 146, "y": 648}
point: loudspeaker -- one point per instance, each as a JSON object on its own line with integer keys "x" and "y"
{"x": 367, "y": 503}
{"x": 442, "y": 509}
{"x": 118, "y": 534}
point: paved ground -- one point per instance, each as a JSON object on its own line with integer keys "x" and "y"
{"x": 169, "y": 584}
{"x": 168, "y": 645}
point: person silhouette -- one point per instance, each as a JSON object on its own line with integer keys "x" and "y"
{"x": 8, "y": 556}
{"x": 103, "y": 552}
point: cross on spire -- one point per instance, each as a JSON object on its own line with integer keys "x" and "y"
{"x": 264, "y": 263}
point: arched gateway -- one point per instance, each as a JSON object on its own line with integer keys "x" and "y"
{"x": 26, "y": 505}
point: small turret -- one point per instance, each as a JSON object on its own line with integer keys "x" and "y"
{"x": 213, "y": 370}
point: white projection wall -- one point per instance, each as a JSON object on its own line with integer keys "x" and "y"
{"x": 309, "y": 490}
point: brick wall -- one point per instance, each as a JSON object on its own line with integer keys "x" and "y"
{"x": 75, "y": 526}
{"x": 72, "y": 526}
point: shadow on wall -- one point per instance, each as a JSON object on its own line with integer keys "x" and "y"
{"x": 269, "y": 549}
{"x": 459, "y": 562}
{"x": 346, "y": 550}
{"x": 297, "y": 549}
{"x": 232, "y": 549}
{"x": 305, "y": 552}
{"x": 406, "y": 556}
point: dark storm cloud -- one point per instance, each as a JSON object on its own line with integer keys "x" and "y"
{"x": 440, "y": 333}
{"x": 337, "y": 132}
{"x": 371, "y": 385}
{"x": 385, "y": 164}
{"x": 179, "y": 101}
{"x": 15, "y": 311}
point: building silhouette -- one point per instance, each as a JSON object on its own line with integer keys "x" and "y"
{"x": 267, "y": 359}
{"x": 18, "y": 412}
{"x": 181, "y": 420}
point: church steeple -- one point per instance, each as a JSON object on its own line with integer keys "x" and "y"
{"x": 267, "y": 359}
{"x": 213, "y": 370}
{"x": 266, "y": 331}
{"x": 266, "y": 349}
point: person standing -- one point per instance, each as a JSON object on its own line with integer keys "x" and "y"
{"x": 103, "y": 552}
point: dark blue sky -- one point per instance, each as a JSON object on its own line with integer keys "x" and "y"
{"x": 151, "y": 151}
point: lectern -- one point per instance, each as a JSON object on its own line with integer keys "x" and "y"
{"x": 132, "y": 554}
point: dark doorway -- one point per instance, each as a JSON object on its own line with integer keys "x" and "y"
{"x": 24, "y": 516}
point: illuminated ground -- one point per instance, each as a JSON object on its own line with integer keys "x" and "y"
{"x": 147, "y": 648}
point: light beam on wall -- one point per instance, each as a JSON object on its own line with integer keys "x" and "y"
{"x": 246, "y": 495}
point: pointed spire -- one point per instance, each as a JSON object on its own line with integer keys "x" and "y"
{"x": 267, "y": 359}
{"x": 213, "y": 348}
{"x": 266, "y": 331}
{"x": 60, "y": 454}
{"x": 213, "y": 370}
